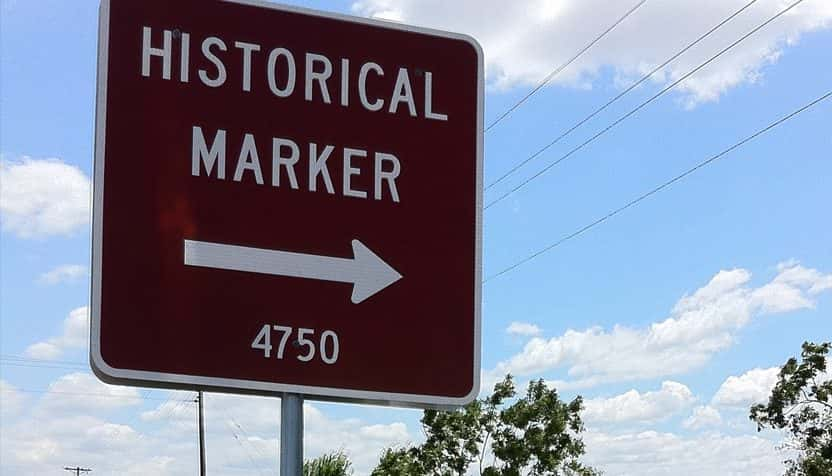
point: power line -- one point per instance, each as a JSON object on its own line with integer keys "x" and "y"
{"x": 640, "y": 106}
{"x": 231, "y": 423}
{"x": 34, "y": 359}
{"x": 25, "y": 362}
{"x": 41, "y": 366}
{"x": 239, "y": 441}
{"x": 7, "y": 360}
{"x": 173, "y": 408}
{"x": 17, "y": 358}
{"x": 621, "y": 94}
{"x": 560, "y": 68}
{"x": 246, "y": 435}
{"x": 162, "y": 406}
{"x": 82, "y": 394}
{"x": 661, "y": 187}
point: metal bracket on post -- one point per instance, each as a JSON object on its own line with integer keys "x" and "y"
{"x": 291, "y": 434}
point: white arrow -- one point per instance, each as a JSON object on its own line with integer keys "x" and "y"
{"x": 367, "y": 272}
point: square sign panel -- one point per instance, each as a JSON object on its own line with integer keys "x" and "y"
{"x": 286, "y": 201}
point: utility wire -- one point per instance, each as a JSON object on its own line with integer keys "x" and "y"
{"x": 84, "y": 394}
{"x": 621, "y": 94}
{"x": 41, "y": 366}
{"x": 17, "y": 358}
{"x": 661, "y": 187}
{"x": 28, "y": 362}
{"x": 171, "y": 409}
{"x": 247, "y": 437}
{"x": 640, "y": 106}
{"x": 17, "y": 361}
{"x": 560, "y": 68}
{"x": 239, "y": 441}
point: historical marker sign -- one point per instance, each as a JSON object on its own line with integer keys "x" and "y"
{"x": 286, "y": 201}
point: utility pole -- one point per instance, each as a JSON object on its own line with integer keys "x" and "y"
{"x": 77, "y": 470}
{"x": 201, "y": 434}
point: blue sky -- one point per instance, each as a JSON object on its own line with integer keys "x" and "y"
{"x": 693, "y": 296}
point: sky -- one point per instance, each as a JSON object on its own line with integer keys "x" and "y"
{"x": 670, "y": 318}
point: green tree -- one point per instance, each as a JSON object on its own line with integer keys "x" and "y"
{"x": 333, "y": 464}
{"x": 537, "y": 434}
{"x": 801, "y": 403}
{"x": 398, "y": 462}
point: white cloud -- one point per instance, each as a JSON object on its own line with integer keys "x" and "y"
{"x": 525, "y": 40}
{"x": 43, "y": 197}
{"x": 653, "y": 453}
{"x": 699, "y": 326}
{"x": 43, "y": 351}
{"x": 395, "y": 432}
{"x": 64, "y": 273}
{"x": 749, "y": 388}
{"x": 12, "y": 401}
{"x": 80, "y": 392}
{"x": 75, "y": 335}
{"x": 523, "y": 329}
{"x": 703, "y": 416}
{"x": 241, "y": 432}
{"x": 792, "y": 273}
{"x": 785, "y": 292}
{"x": 633, "y": 406}
{"x": 41, "y": 444}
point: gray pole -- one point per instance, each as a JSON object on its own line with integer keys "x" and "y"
{"x": 201, "y": 435}
{"x": 291, "y": 434}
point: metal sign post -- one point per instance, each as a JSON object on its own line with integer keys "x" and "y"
{"x": 291, "y": 434}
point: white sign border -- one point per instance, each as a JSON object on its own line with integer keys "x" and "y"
{"x": 188, "y": 382}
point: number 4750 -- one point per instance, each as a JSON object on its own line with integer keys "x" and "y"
{"x": 328, "y": 344}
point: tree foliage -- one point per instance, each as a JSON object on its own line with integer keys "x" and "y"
{"x": 801, "y": 403}
{"x": 537, "y": 434}
{"x": 333, "y": 464}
